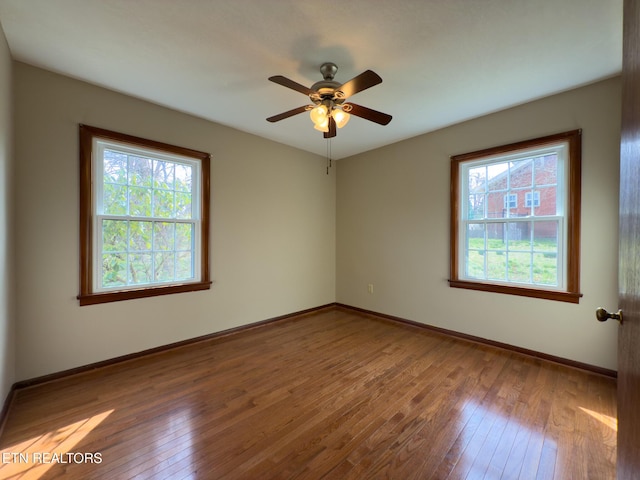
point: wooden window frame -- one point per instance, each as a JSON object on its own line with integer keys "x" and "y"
{"x": 87, "y": 295}
{"x": 571, "y": 292}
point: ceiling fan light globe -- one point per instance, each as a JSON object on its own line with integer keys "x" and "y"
{"x": 322, "y": 126}
{"x": 341, "y": 117}
{"x": 318, "y": 114}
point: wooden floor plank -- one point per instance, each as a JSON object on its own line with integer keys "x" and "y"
{"x": 331, "y": 395}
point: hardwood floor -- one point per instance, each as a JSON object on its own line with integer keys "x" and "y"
{"x": 332, "y": 395}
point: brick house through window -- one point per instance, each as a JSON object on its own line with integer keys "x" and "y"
{"x": 520, "y": 189}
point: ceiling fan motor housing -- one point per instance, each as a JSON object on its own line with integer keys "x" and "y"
{"x": 327, "y": 89}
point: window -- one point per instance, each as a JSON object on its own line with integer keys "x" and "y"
{"x": 515, "y": 219}
{"x": 144, "y": 218}
{"x": 532, "y": 199}
{"x": 511, "y": 201}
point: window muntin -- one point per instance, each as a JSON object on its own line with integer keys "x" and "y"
{"x": 515, "y": 219}
{"x": 144, "y": 217}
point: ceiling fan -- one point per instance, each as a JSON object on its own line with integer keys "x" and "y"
{"x": 328, "y": 109}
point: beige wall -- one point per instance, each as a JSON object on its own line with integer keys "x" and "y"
{"x": 7, "y": 353}
{"x": 393, "y": 229}
{"x": 276, "y": 237}
{"x": 272, "y": 236}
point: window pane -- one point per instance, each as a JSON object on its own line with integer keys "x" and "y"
{"x": 183, "y": 205}
{"x": 184, "y": 266}
{"x": 475, "y": 264}
{"x": 521, "y": 173}
{"x": 114, "y": 269}
{"x": 184, "y": 236}
{"x": 548, "y": 203}
{"x": 140, "y": 268}
{"x": 114, "y": 199}
{"x": 163, "y": 203}
{"x": 497, "y": 176}
{"x": 519, "y": 267}
{"x": 546, "y": 170}
{"x": 519, "y": 235}
{"x": 496, "y": 236}
{"x": 114, "y": 235}
{"x": 475, "y": 250}
{"x": 545, "y": 258}
{"x": 140, "y": 236}
{"x": 475, "y": 236}
{"x": 164, "y": 269}
{"x": 140, "y": 202}
{"x": 545, "y": 236}
{"x": 115, "y": 167}
{"x": 545, "y": 269}
{"x": 496, "y": 265}
{"x": 477, "y": 179}
{"x": 183, "y": 174}
{"x": 163, "y": 236}
{"x": 140, "y": 173}
{"x": 163, "y": 174}
{"x": 495, "y": 205}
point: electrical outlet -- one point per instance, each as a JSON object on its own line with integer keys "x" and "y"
{"x": 370, "y": 288}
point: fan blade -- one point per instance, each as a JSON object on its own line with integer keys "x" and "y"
{"x": 357, "y": 84}
{"x": 286, "y": 82}
{"x": 290, "y": 113}
{"x": 332, "y": 129}
{"x": 367, "y": 113}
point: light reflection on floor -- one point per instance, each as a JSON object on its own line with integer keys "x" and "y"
{"x": 496, "y": 444}
{"x": 177, "y": 431}
{"x": 492, "y": 443}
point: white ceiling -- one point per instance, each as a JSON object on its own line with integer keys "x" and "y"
{"x": 442, "y": 61}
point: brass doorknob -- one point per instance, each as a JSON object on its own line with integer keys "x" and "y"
{"x": 602, "y": 315}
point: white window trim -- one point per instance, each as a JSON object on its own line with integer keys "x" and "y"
{"x": 561, "y": 150}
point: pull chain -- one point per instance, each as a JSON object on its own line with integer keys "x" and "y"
{"x": 328, "y": 155}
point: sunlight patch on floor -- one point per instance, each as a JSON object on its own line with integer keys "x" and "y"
{"x": 610, "y": 422}
{"x": 31, "y": 459}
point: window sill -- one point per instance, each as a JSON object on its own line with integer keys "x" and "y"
{"x": 106, "y": 297}
{"x": 560, "y": 296}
